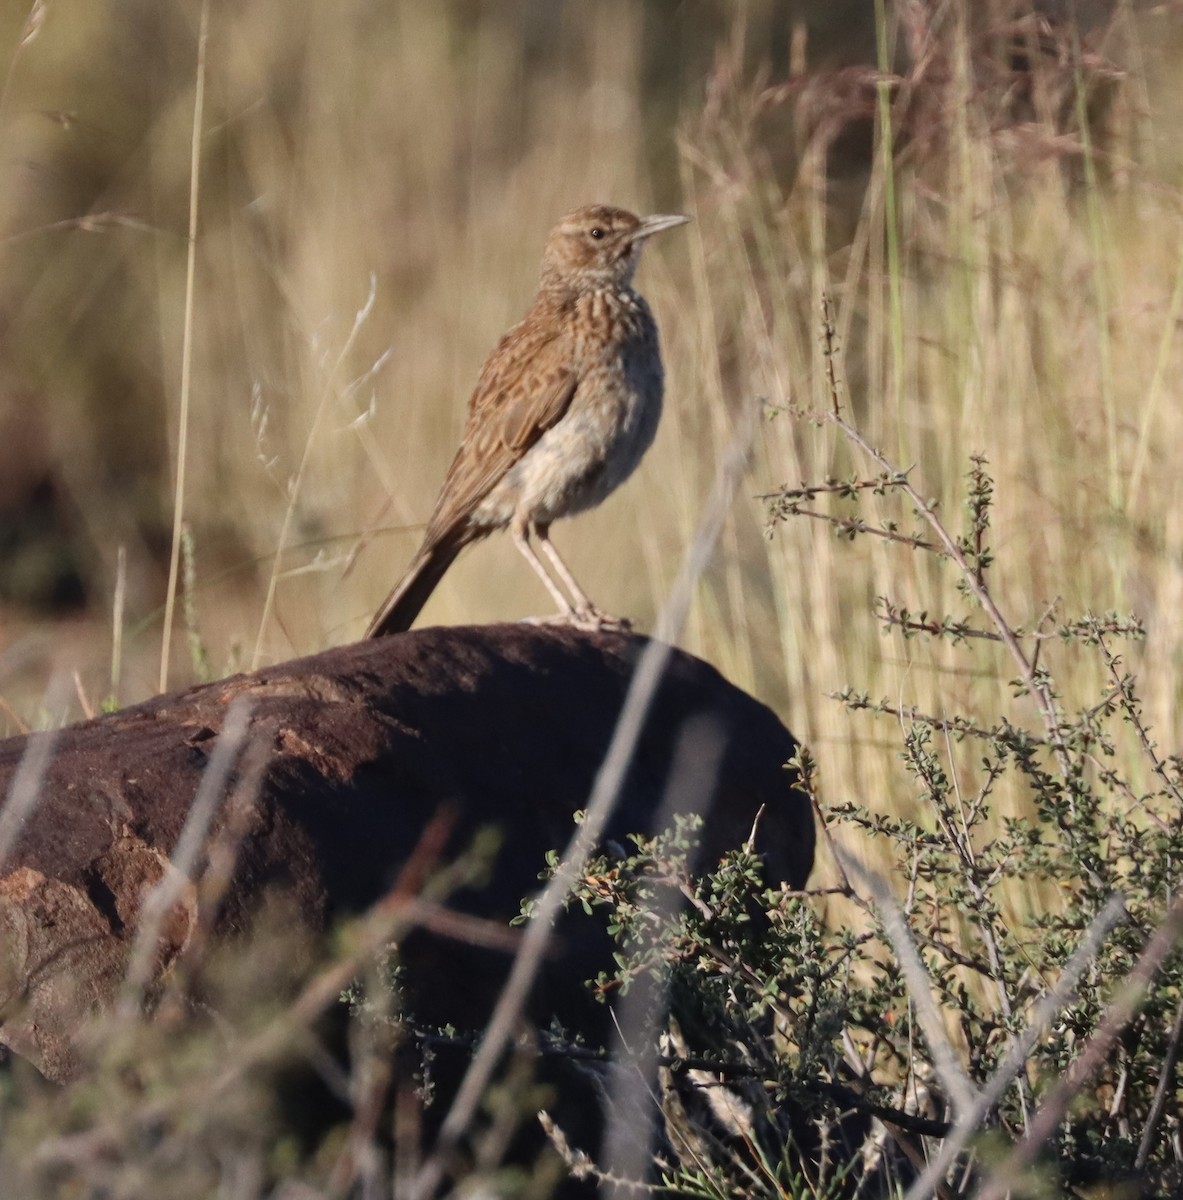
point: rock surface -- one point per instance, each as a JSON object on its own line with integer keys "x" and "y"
{"x": 347, "y": 756}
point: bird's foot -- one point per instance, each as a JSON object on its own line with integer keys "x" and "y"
{"x": 590, "y": 619}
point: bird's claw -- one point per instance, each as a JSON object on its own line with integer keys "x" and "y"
{"x": 593, "y": 618}
{"x": 590, "y": 619}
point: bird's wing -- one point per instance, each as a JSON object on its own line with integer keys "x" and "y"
{"x": 525, "y": 387}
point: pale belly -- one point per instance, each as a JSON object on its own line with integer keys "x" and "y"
{"x": 590, "y": 452}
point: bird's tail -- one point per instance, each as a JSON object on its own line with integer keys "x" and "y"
{"x": 401, "y": 607}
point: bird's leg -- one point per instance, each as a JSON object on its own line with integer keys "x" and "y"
{"x": 520, "y": 531}
{"x": 585, "y": 611}
{"x": 582, "y": 603}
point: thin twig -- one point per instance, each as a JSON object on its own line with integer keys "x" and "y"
{"x": 969, "y": 1122}
{"x": 832, "y": 487}
{"x": 725, "y": 1068}
{"x": 911, "y": 714}
{"x": 1125, "y": 687}
{"x": 854, "y": 526}
{"x": 1119, "y": 1013}
{"x": 979, "y": 889}
{"x": 1037, "y": 688}
{"x": 806, "y": 783}
{"x": 904, "y": 620}
{"x": 958, "y": 1087}
{"x": 1166, "y": 1086}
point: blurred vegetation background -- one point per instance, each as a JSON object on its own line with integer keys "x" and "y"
{"x": 376, "y": 181}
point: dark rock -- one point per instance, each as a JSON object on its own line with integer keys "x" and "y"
{"x": 357, "y": 749}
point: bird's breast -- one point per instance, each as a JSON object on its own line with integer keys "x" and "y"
{"x": 610, "y": 423}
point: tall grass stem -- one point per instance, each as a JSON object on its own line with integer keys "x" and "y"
{"x": 174, "y": 561}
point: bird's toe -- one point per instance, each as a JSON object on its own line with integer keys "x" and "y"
{"x": 591, "y": 619}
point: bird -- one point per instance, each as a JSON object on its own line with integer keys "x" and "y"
{"x": 563, "y": 411}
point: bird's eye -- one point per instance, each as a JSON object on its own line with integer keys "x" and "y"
{"x": 597, "y": 233}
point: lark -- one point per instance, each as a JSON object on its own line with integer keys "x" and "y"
{"x": 563, "y": 411}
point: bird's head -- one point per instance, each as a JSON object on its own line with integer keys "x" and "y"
{"x": 599, "y": 246}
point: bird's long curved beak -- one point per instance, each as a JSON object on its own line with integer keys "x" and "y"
{"x": 655, "y": 224}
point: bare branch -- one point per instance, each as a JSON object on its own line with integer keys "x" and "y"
{"x": 1119, "y": 1013}
{"x": 969, "y": 1122}
{"x": 956, "y": 1083}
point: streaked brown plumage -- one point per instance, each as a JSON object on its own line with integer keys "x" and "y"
{"x": 564, "y": 409}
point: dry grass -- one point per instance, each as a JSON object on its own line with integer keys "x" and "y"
{"x": 415, "y": 159}
{"x": 409, "y": 164}
{"x": 1033, "y": 320}
{"x": 376, "y": 184}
